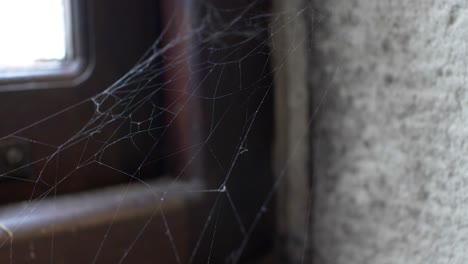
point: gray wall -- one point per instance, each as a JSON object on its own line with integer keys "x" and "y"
{"x": 389, "y": 146}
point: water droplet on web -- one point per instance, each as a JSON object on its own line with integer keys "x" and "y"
{"x": 222, "y": 188}
{"x": 243, "y": 150}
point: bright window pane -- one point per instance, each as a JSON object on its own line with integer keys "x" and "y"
{"x": 32, "y": 32}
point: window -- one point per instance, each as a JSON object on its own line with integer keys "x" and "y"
{"x": 43, "y": 44}
{"x": 34, "y": 36}
{"x": 100, "y": 31}
{"x": 94, "y": 213}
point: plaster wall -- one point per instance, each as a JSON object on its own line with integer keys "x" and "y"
{"x": 389, "y": 145}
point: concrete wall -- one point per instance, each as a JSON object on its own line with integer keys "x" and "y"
{"x": 390, "y": 151}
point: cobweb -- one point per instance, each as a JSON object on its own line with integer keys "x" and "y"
{"x": 191, "y": 120}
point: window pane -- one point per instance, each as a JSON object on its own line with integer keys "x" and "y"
{"x": 32, "y": 33}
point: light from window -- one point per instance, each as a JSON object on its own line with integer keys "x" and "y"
{"x": 32, "y": 33}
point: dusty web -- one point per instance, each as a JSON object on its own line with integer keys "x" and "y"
{"x": 193, "y": 118}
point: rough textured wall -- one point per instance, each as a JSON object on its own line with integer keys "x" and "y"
{"x": 390, "y": 162}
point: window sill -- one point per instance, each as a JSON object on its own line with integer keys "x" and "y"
{"x": 104, "y": 223}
